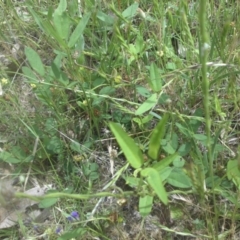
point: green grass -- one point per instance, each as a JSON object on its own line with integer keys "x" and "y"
{"x": 157, "y": 81}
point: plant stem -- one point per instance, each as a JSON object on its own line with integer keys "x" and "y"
{"x": 205, "y": 89}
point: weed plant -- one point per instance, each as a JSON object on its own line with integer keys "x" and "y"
{"x": 130, "y": 109}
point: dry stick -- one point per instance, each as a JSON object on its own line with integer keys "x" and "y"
{"x": 30, "y": 165}
{"x": 115, "y": 177}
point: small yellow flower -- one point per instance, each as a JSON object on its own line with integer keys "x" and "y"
{"x": 85, "y": 103}
{"x": 118, "y": 79}
{"x": 78, "y": 158}
{"x": 48, "y": 231}
{"x": 160, "y": 53}
{"x": 33, "y": 85}
{"x": 4, "y": 81}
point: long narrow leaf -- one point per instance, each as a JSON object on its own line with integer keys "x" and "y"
{"x": 131, "y": 151}
{"x": 61, "y": 7}
{"x": 35, "y": 61}
{"x": 130, "y": 11}
{"x": 147, "y": 105}
{"x": 46, "y": 26}
{"x": 79, "y": 30}
{"x": 62, "y": 24}
{"x": 28, "y": 72}
{"x": 165, "y": 162}
{"x": 145, "y": 205}
{"x": 37, "y": 19}
{"x": 155, "y": 78}
{"x": 156, "y": 137}
{"x": 155, "y": 181}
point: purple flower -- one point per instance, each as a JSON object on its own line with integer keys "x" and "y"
{"x": 73, "y": 216}
{"x": 36, "y": 228}
{"x": 58, "y": 230}
{"x": 70, "y": 219}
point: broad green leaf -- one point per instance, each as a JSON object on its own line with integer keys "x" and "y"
{"x": 28, "y": 72}
{"x": 18, "y": 152}
{"x": 62, "y": 24}
{"x": 147, "y": 105}
{"x": 132, "y": 181}
{"x": 132, "y": 49}
{"x": 179, "y": 179}
{"x": 155, "y": 81}
{"x": 145, "y": 205}
{"x": 155, "y": 181}
{"x": 54, "y": 145}
{"x": 50, "y": 126}
{"x": 171, "y": 66}
{"x": 98, "y": 82}
{"x": 139, "y": 43}
{"x": 97, "y": 100}
{"x": 73, "y": 8}
{"x": 88, "y": 168}
{"x": 200, "y": 137}
{"x": 8, "y": 157}
{"x": 50, "y": 30}
{"x": 168, "y": 148}
{"x": 143, "y": 91}
{"x": 106, "y": 18}
{"x": 184, "y": 130}
{"x": 156, "y": 137}
{"x": 131, "y": 151}
{"x": 130, "y": 11}
{"x": 34, "y": 61}
{"x": 108, "y": 90}
{"x": 165, "y": 162}
{"x": 61, "y": 7}
{"x": 74, "y": 233}
{"x": 93, "y": 176}
{"x": 164, "y": 173}
{"x": 233, "y": 169}
{"x": 79, "y": 30}
{"x": 178, "y": 162}
{"x": 184, "y": 149}
{"x": 47, "y": 202}
{"x": 231, "y": 196}
{"x": 61, "y": 20}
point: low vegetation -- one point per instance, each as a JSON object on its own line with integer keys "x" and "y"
{"x": 126, "y": 112}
